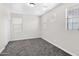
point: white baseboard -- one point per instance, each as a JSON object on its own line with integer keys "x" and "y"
{"x": 61, "y": 48}
{"x": 3, "y": 47}
{"x": 24, "y": 39}
{"x": 51, "y": 43}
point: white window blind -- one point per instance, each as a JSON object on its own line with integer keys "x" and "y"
{"x": 17, "y": 24}
{"x": 73, "y": 19}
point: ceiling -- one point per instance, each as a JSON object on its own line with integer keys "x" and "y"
{"x": 27, "y": 9}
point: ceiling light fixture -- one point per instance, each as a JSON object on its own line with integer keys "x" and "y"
{"x": 31, "y": 4}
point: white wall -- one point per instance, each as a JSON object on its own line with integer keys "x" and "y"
{"x": 4, "y": 26}
{"x": 30, "y": 28}
{"x": 56, "y": 33}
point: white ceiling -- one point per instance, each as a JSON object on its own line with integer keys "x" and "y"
{"x": 38, "y": 9}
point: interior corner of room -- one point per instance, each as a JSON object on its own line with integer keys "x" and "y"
{"x": 18, "y": 21}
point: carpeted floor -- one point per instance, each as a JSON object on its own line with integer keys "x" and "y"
{"x": 32, "y": 47}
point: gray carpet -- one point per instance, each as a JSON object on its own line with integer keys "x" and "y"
{"x": 32, "y": 47}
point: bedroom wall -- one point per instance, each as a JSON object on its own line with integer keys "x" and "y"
{"x": 30, "y": 28}
{"x": 54, "y": 30}
{"x": 4, "y": 26}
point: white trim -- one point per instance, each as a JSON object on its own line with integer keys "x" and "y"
{"x": 49, "y": 42}
{"x": 24, "y": 39}
{"x": 3, "y": 47}
{"x": 61, "y": 48}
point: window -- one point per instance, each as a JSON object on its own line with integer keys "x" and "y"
{"x": 73, "y": 19}
{"x": 17, "y": 23}
{"x": 73, "y": 24}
